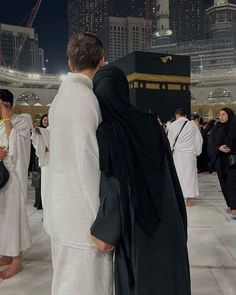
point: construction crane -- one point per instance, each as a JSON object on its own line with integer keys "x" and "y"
{"x": 23, "y": 38}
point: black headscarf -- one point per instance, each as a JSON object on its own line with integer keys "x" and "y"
{"x": 209, "y": 126}
{"x": 136, "y": 149}
{"x": 231, "y": 123}
{"x": 230, "y": 129}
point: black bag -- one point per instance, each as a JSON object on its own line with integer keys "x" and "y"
{"x": 232, "y": 160}
{"x": 4, "y": 174}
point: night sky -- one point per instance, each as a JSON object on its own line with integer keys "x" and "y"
{"x": 50, "y": 24}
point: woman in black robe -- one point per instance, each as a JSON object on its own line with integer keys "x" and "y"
{"x": 222, "y": 143}
{"x": 36, "y": 174}
{"x": 142, "y": 211}
{"x": 203, "y": 161}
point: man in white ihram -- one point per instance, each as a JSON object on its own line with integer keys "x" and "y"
{"x": 72, "y": 195}
{"x": 186, "y": 144}
{"x": 15, "y": 153}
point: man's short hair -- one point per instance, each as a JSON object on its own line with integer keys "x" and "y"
{"x": 85, "y": 51}
{"x": 6, "y": 96}
{"x": 180, "y": 112}
{"x": 195, "y": 116}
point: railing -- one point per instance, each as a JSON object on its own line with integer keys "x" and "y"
{"x": 207, "y": 75}
{"x": 30, "y": 77}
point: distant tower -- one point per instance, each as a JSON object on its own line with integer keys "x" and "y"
{"x": 85, "y": 15}
{"x": 187, "y": 19}
{"x": 73, "y": 16}
{"x": 162, "y": 18}
{"x": 220, "y": 2}
{"x": 147, "y": 26}
{"x": 221, "y": 20}
{"x": 125, "y": 8}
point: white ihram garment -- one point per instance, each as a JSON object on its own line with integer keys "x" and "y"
{"x": 186, "y": 150}
{"x": 14, "y": 227}
{"x": 84, "y": 271}
{"x": 72, "y": 196}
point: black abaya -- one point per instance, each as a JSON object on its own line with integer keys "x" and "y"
{"x": 224, "y": 134}
{"x": 145, "y": 265}
{"x": 142, "y": 209}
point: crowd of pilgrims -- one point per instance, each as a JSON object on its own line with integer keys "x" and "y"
{"x": 208, "y": 161}
{"x": 216, "y": 145}
{"x": 218, "y": 153}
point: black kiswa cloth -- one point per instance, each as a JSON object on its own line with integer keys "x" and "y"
{"x": 136, "y": 150}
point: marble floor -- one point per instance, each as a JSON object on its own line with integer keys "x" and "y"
{"x": 212, "y": 248}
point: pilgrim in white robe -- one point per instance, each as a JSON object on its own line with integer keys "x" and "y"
{"x": 14, "y": 227}
{"x": 41, "y": 145}
{"x": 72, "y": 197}
{"x": 186, "y": 150}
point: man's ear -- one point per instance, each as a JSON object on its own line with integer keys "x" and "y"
{"x": 102, "y": 62}
{"x": 70, "y": 64}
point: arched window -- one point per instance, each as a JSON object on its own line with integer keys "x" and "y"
{"x": 28, "y": 97}
{"x": 219, "y": 95}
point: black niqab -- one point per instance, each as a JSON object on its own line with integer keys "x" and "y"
{"x": 136, "y": 150}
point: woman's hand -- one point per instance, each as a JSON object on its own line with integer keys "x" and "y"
{"x": 3, "y": 153}
{"x": 104, "y": 247}
{"x": 224, "y": 149}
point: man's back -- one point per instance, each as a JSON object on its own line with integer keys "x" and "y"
{"x": 189, "y": 140}
{"x": 71, "y": 201}
{"x": 187, "y": 147}
{"x": 72, "y": 197}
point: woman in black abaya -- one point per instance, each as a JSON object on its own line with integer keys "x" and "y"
{"x": 36, "y": 176}
{"x": 142, "y": 211}
{"x": 222, "y": 142}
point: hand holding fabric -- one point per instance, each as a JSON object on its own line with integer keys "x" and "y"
{"x": 224, "y": 149}
{"x": 104, "y": 247}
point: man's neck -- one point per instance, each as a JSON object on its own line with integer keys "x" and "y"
{"x": 89, "y": 73}
{"x": 180, "y": 117}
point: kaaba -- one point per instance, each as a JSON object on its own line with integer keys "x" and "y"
{"x": 159, "y": 83}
